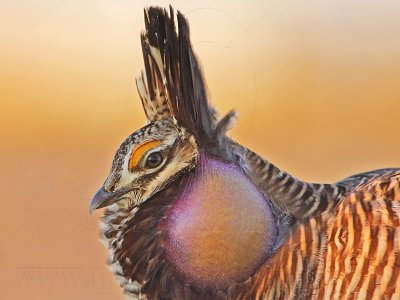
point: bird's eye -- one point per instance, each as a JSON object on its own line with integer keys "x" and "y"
{"x": 154, "y": 160}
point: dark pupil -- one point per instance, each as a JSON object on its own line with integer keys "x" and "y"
{"x": 154, "y": 160}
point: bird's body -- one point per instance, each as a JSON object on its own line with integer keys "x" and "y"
{"x": 191, "y": 214}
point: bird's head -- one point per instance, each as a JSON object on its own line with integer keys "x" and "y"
{"x": 180, "y": 120}
{"x": 145, "y": 162}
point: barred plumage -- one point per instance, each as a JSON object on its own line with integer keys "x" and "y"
{"x": 192, "y": 214}
{"x": 350, "y": 252}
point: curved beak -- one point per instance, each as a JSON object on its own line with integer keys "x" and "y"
{"x": 103, "y": 198}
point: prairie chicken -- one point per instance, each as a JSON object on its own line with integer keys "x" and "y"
{"x": 191, "y": 214}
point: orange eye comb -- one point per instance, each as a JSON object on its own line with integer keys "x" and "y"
{"x": 139, "y": 151}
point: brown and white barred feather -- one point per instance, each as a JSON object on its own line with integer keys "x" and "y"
{"x": 292, "y": 196}
{"x": 288, "y": 194}
{"x": 351, "y": 252}
{"x": 150, "y": 84}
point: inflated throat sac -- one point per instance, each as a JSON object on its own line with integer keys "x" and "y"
{"x": 220, "y": 228}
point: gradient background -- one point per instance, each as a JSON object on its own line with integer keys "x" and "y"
{"x": 317, "y": 85}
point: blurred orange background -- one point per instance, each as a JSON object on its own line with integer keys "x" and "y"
{"x": 316, "y": 83}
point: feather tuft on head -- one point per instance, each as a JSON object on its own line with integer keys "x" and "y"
{"x": 172, "y": 83}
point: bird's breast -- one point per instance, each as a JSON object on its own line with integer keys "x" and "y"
{"x": 220, "y": 228}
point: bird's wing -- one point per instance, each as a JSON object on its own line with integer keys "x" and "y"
{"x": 352, "y": 251}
